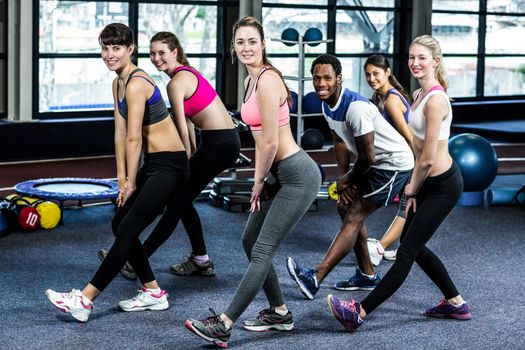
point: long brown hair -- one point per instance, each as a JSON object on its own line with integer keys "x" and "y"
{"x": 250, "y": 21}
{"x": 173, "y": 43}
{"x": 381, "y": 61}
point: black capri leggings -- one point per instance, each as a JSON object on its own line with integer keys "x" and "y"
{"x": 162, "y": 174}
{"x": 218, "y": 150}
{"x": 436, "y": 198}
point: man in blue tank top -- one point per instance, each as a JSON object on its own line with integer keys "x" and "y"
{"x": 382, "y": 167}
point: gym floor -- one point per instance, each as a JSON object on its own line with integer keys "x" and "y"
{"x": 478, "y": 245}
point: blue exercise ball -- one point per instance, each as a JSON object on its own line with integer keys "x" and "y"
{"x": 293, "y": 107}
{"x": 312, "y": 103}
{"x": 313, "y": 34}
{"x": 290, "y": 34}
{"x": 477, "y": 160}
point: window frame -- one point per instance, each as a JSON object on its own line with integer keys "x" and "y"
{"x": 481, "y": 54}
{"x": 220, "y": 55}
{"x": 4, "y": 59}
{"x": 401, "y": 14}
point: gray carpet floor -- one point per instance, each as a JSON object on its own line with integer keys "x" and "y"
{"x": 481, "y": 246}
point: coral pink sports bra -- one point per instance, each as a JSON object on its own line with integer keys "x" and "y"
{"x": 202, "y": 97}
{"x": 250, "y": 108}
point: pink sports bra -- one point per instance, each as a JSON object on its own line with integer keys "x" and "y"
{"x": 250, "y": 109}
{"x": 202, "y": 97}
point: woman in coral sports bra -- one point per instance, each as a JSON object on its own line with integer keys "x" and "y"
{"x": 276, "y": 208}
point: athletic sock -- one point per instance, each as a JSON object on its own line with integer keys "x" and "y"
{"x": 154, "y": 290}
{"x": 201, "y": 260}
{"x": 369, "y": 276}
{"x": 282, "y": 313}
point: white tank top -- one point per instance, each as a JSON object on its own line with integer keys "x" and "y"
{"x": 418, "y": 121}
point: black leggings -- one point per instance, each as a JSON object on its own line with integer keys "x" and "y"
{"x": 162, "y": 174}
{"x": 218, "y": 150}
{"x": 436, "y": 198}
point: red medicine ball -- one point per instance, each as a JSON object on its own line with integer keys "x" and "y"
{"x": 29, "y": 219}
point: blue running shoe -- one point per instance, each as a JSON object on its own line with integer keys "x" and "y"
{"x": 305, "y": 278}
{"x": 358, "y": 282}
{"x": 346, "y": 312}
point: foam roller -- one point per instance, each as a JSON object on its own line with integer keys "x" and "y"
{"x": 502, "y": 196}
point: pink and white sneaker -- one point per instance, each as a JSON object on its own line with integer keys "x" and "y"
{"x": 73, "y": 303}
{"x": 146, "y": 300}
{"x": 376, "y": 251}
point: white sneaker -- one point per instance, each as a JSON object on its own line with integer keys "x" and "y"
{"x": 376, "y": 251}
{"x": 390, "y": 254}
{"x": 146, "y": 300}
{"x": 73, "y": 303}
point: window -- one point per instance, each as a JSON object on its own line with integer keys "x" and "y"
{"x": 71, "y": 77}
{"x": 357, "y": 28}
{"x": 3, "y": 59}
{"x": 479, "y": 41}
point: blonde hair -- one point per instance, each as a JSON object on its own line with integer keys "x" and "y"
{"x": 433, "y": 45}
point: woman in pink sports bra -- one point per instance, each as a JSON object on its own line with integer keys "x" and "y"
{"x": 194, "y": 103}
{"x": 295, "y": 182}
{"x": 432, "y": 192}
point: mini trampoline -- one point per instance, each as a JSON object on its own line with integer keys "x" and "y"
{"x": 69, "y": 188}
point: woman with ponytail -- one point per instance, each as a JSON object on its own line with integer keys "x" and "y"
{"x": 194, "y": 103}
{"x": 275, "y": 208}
{"x": 393, "y": 101}
{"x": 432, "y": 192}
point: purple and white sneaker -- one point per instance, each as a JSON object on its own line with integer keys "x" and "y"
{"x": 446, "y": 310}
{"x": 346, "y": 312}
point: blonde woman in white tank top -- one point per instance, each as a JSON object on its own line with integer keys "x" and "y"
{"x": 432, "y": 192}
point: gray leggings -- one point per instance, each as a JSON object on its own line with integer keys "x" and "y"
{"x": 299, "y": 179}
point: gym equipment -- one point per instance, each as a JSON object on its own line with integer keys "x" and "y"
{"x": 28, "y": 219}
{"x": 290, "y": 34}
{"x": 236, "y": 203}
{"x": 9, "y": 212}
{"x": 301, "y": 79}
{"x": 505, "y": 196}
{"x": 215, "y": 199}
{"x": 478, "y": 162}
{"x": 69, "y": 188}
{"x": 49, "y": 212}
{"x": 313, "y": 34}
{"x": 293, "y": 108}
{"x": 222, "y": 186}
{"x": 323, "y": 174}
{"x": 5, "y": 227}
{"x": 312, "y": 139}
{"x": 332, "y": 191}
{"x": 312, "y": 103}
{"x": 476, "y": 158}
{"x": 20, "y": 214}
